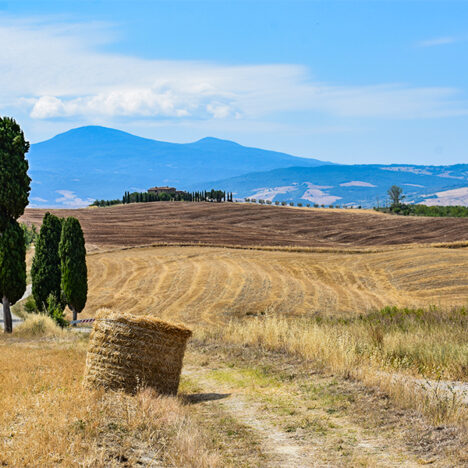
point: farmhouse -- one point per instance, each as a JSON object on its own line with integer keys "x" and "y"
{"x": 159, "y": 190}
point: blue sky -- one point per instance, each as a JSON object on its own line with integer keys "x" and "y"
{"x": 350, "y": 82}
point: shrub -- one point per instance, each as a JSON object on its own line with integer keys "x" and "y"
{"x": 277, "y": 202}
{"x": 291, "y": 203}
{"x": 38, "y": 325}
{"x": 55, "y": 311}
{"x": 30, "y": 305}
{"x": 30, "y": 234}
{"x": 299, "y": 204}
{"x": 283, "y": 203}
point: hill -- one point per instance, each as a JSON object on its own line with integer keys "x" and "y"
{"x": 100, "y": 163}
{"x": 254, "y": 225}
{"x": 364, "y": 185}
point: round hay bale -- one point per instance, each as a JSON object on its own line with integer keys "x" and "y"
{"x": 130, "y": 352}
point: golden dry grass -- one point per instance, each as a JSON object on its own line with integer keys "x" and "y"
{"x": 220, "y": 289}
{"x": 47, "y": 419}
{"x": 212, "y": 285}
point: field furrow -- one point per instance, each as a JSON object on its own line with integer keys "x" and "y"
{"x": 213, "y": 284}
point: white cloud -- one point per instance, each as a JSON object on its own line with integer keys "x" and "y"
{"x": 70, "y": 200}
{"x": 437, "y": 41}
{"x": 38, "y": 199}
{"x": 357, "y": 183}
{"x": 55, "y": 70}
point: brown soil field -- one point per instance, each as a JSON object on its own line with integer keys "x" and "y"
{"x": 253, "y": 225}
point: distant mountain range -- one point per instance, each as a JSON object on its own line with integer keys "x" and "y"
{"x": 364, "y": 185}
{"x": 76, "y": 167}
{"x": 101, "y": 163}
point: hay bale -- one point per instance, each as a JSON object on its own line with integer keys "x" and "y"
{"x": 130, "y": 352}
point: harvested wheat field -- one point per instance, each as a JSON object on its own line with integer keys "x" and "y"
{"x": 212, "y": 285}
{"x": 242, "y": 224}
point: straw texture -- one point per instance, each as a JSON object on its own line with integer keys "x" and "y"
{"x": 129, "y": 352}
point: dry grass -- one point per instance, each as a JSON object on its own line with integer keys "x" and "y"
{"x": 319, "y": 305}
{"x": 47, "y": 419}
{"x": 212, "y": 285}
{"x": 39, "y": 325}
{"x": 371, "y": 348}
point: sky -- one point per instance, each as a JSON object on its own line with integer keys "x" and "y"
{"x": 349, "y": 82}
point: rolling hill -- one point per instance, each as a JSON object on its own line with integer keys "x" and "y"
{"x": 97, "y": 162}
{"x": 364, "y": 185}
{"x": 76, "y": 167}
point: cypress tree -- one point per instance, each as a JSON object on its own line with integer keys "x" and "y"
{"x": 13, "y": 269}
{"x": 45, "y": 270}
{"x": 14, "y": 193}
{"x": 72, "y": 253}
{"x": 14, "y": 179}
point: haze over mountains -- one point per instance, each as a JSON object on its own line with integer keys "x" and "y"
{"x": 76, "y": 167}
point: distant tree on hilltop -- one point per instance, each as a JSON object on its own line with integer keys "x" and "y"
{"x": 396, "y": 195}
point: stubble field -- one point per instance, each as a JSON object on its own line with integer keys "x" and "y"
{"x": 296, "y": 359}
{"x": 213, "y": 285}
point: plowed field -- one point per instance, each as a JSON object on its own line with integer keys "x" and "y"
{"x": 241, "y": 224}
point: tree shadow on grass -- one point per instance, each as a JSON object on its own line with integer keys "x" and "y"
{"x": 195, "y": 398}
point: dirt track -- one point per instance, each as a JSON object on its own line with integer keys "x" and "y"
{"x": 241, "y": 224}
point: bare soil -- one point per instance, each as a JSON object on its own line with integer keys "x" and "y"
{"x": 253, "y": 225}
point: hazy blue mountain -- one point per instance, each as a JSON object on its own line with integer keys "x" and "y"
{"x": 364, "y": 185}
{"x": 88, "y": 163}
{"x": 97, "y": 162}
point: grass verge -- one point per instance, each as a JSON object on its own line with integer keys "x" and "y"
{"x": 399, "y": 350}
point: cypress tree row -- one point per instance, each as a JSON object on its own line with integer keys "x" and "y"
{"x": 14, "y": 193}
{"x": 13, "y": 268}
{"x": 45, "y": 270}
{"x": 73, "y": 265}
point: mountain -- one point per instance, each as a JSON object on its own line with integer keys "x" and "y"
{"x": 94, "y": 162}
{"x": 76, "y": 167}
{"x": 364, "y": 185}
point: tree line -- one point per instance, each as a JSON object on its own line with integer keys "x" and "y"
{"x": 145, "y": 197}
{"x": 397, "y": 207}
{"x": 59, "y": 273}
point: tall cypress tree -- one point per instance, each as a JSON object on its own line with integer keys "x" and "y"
{"x": 45, "y": 270}
{"x": 14, "y": 179}
{"x": 13, "y": 269}
{"x": 72, "y": 253}
{"x": 14, "y": 193}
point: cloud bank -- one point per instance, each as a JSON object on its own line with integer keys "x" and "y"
{"x": 58, "y": 71}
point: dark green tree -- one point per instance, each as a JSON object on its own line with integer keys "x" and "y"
{"x": 14, "y": 193}
{"x": 45, "y": 270}
{"x": 72, "y": 253}
{"x": 13, "y": 269}
{"x": 14, "y": 179}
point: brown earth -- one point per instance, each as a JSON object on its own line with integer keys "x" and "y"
{"x": 242, "y": 224}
